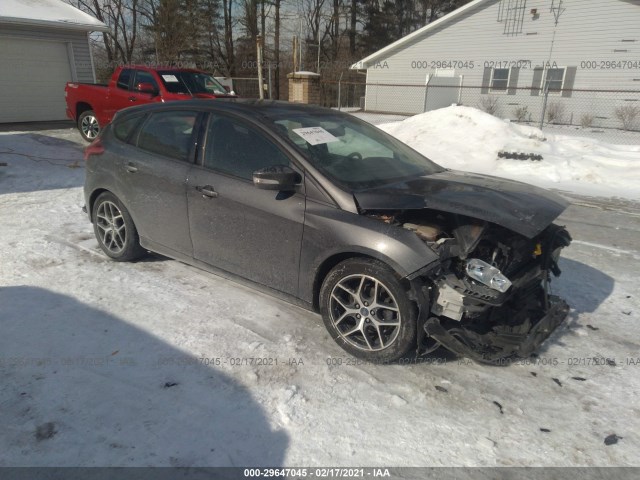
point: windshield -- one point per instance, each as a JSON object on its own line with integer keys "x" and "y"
{"x": 352, "y": 152}
{"x": 176, "y": 81}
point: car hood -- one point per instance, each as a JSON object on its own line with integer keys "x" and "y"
{"x": 520, "y": 207}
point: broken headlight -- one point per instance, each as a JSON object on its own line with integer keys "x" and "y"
{"x": 487, "y": 274}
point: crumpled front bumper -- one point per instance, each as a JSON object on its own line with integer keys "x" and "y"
{"x": 498, "y": 346}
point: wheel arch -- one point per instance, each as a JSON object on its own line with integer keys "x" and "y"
{"x": 82, "y": 107}
{"x": 330, "y": 262}
{"x": 92, "y": 200}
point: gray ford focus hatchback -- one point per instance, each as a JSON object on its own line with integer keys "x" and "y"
{"x": 395, "y": 252}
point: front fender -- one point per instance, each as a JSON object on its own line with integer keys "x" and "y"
{"x": 331, "y": 233}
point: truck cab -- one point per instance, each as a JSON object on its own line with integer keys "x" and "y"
{"x": 93, "y": 106}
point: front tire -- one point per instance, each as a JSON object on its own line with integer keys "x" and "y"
{"x": 367, "y": 311}
{"x": 88, "y": 125}
{"x": 114, "y": 229}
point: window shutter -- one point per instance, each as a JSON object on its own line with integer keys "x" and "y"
{"x": 537, "y": 81}
{"x": 569, "y": 80}
{"x": 486, "y": 78}
{"x": 513, "y": 81}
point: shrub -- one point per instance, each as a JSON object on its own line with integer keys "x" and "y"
{"x": 555, "y": 112}
{"x": 489, "y": 104}
{"x": 521, "y": 113}
{"x": 586, "y": 120}
{"x": 628, "y": 115}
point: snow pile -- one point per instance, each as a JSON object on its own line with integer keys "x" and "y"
{"x": 464, "y": 138}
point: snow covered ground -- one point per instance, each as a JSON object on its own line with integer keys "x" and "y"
{"x": 149, "y": 363}
{"x": 465, "y": 138}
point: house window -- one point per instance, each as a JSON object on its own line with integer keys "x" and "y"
{"x": 499, "y": 79}
{"x": 554, "y": 79}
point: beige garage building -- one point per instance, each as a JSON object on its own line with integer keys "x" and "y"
{"x": 43, "y": 45}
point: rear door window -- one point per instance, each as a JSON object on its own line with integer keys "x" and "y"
{"x": 123, "y": 129}
{"x": 124, "y": 78}
{"x": 170, "y": 134}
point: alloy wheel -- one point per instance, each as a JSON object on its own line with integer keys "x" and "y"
{"x": 111, "y": 227}
{"x": 90, "y": 127}
{"x": 365, "y": 313}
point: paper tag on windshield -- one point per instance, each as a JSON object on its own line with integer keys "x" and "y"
{"x": 315, "y": 135}
{"x": 170, "y": 78}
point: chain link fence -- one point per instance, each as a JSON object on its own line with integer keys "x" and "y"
{"x": 248, "y": 87}
{"x": 245, "y": 87}
{"x": 609, "y": 115}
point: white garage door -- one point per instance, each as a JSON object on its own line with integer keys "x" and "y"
{"x": 32, "y": 80}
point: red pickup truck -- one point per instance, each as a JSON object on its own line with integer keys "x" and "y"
{"x": 91, "y": 105}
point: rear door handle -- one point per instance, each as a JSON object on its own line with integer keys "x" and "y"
{"x": 207, "y": 191}
{"x": 132, "y": 99}
{"x": 131, "y": 168}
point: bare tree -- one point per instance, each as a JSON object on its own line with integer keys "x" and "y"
{"x": 229, "y": 50}
{"x": 249, "y": 20}
{"x": 121, "y": 16}
{"x": 276, "y": 49}
{"x": 353, "y": 24}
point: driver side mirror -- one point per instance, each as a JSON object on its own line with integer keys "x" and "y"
{"x": 145, "y": 87}
{"x": 277, "y": 177}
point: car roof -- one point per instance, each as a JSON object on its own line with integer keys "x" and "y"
{"x": 264, "y": 108}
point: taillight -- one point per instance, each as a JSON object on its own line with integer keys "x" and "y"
{"x": 94, "y": 148}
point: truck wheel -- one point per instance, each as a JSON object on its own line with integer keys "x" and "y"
{"x": 88, "y": 125}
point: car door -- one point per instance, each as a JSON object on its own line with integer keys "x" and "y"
{"x": 119, "y": 96}
{"x": 141, "y": 98}
{"x": 235, "y": 226}
{"x": 154, "y": 173}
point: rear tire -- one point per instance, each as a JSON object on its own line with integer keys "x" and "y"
{"x": 367, "y": 311}
{"x": 114, "y": 229}
{"x": 88, "y": 125}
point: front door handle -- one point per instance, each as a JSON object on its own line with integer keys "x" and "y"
{"x": 207, "y": 191}
{"x": 131, "y": 168}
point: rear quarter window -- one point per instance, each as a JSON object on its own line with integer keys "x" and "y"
{"x": 123, "y": 129}
{"x": 168, "y": 134}
{"x": 123, "y": 79}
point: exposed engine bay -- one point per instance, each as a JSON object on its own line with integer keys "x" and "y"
{"x": 488, "y": 297}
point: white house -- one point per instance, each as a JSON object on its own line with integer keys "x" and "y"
{"x": 511, "y": 50}
{"x": 43, "y": 45}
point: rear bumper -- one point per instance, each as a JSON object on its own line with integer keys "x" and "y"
{"x": 502, "y": 343}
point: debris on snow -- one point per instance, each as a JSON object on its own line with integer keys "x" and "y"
{"x": 612, "y": 439}
{"x": 520, "y": 156}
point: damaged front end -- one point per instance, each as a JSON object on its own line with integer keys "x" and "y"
{"x": 488, "y": 297}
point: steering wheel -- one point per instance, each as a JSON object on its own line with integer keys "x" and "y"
{"x": 355, "y": 155}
